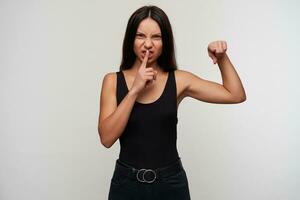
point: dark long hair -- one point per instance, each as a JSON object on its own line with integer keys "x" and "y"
{"x": 166, "y": 60}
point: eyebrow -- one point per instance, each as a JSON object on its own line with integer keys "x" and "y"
{"x": 153, "y": 34}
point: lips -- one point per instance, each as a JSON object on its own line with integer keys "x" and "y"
{"x": 144, "y": 53}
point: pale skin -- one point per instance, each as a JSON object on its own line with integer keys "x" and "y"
{"x": 146, "y": 82}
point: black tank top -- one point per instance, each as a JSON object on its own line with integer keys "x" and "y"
{"x": 150, "y": 136}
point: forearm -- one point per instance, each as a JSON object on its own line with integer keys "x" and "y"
{"x": 230, "y": 77}
{"x": 113, "y": 126}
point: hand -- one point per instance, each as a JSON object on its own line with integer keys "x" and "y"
{"x": 145, "y": 75}
{"x": 216, "y": 50}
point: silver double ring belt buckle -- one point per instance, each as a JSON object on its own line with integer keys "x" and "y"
{"x": 142, "y": 172}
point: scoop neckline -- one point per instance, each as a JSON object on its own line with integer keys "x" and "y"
{"x": 155, "y": 101}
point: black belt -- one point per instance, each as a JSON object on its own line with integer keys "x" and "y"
{"x": 148, "y": 175}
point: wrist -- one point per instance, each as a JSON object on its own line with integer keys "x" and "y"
{"x": 133, "y": 92}
{"x": 222, "y": 58}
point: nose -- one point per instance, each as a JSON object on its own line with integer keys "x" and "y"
{"x": 148, "y": 43}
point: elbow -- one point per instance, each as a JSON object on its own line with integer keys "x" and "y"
{"x": 104, "y": 142}
{"x": 107, "y": 145}
{"x": 240, "y": 99}
{"x": 243, "y": 99}
{"x": 237, "y": 99}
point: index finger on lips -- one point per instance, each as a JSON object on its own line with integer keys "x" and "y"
{"x": 145, "y": 58}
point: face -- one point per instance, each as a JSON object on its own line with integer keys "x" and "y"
{"x": 148, "y": 36}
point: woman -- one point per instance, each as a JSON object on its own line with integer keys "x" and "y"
{"x": 138, "y": 106}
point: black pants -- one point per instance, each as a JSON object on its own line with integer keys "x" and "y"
{"x": 173, "y": 186}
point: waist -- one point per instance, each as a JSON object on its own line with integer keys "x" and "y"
{"x": 148, "y": 175}
{"x": 146, "y": 156}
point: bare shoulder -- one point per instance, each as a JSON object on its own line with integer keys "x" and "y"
{"x": 187, "y": 83}
{"x": 182, "y": 78}
{"x": 183, "y": 75}
{"x": 109, "y": 84}
{"x": 182, "y": 82}
{"x": 110, "y": 76}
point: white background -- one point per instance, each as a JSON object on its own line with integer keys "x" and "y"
{"x": 54, "y": 55}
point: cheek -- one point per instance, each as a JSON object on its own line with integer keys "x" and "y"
{"x": 159, "y": 49}
{"x": 157, "y": 45}
{"x": 137, "y": 46}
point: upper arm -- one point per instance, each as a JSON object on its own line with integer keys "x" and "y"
{"x": 205, "y": 90}
{"x": 108, "y": 102}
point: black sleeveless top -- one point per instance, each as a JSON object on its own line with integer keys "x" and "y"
{"x": 149, "y": 138}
